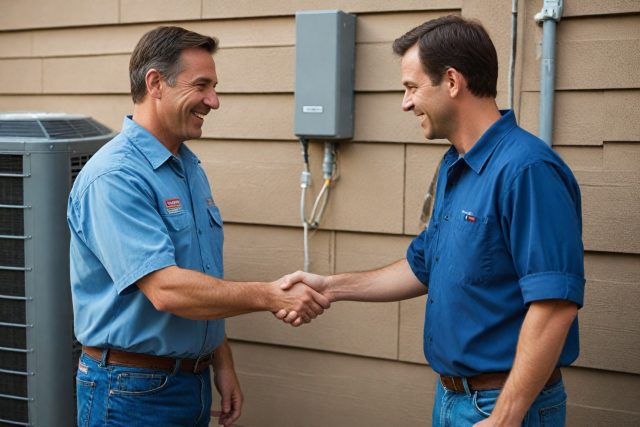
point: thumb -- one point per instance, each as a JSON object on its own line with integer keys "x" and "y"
{"x": 289, "y": 280}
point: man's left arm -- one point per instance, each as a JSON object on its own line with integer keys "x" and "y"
{"x": 540, "y": 342}
{"x": 227, "y": 384}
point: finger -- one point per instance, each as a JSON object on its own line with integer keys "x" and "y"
{"x": 321, "y": 299}
{"x": 226, "y": 404}
{"x": 293, "y": 315}
{"x": 281, "y": 314}
{"x": 316, "y": 309}
{"x": 237, "y": 408}
{"x": 297, "y": 322}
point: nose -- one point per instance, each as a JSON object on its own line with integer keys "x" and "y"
{"x": 211, "y": 100}
{"x": 407, "y": 101}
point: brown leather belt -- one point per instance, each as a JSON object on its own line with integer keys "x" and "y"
{"x": 139, "y": 360}
{"x": 490, "y": 381}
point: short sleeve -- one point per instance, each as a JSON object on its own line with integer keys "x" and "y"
{"x": 543, "y": 227}
{"x": 417, "y": 259}
{"x": 117, "y": 220}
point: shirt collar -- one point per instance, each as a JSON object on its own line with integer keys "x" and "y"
{"x": 152, "y": 149}
{"x": 479, "y": 154}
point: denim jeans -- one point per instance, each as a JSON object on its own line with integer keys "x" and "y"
{"x": 113, "y": 395}
{"x": 455, "y": 409}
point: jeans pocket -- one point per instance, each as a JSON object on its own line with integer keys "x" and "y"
{"x": 138, "y": 383}
{"x": 485, "y": 401}
{"x": 84, "y": 393}
{"x": 553, "y": 416}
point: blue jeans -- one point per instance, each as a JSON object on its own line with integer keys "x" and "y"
{"x": 455, "y": 409}
{"x": 112, "y": 395}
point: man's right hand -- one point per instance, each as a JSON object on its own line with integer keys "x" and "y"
{"x": 298, "y": 298}
{"x": 300, "y": 278}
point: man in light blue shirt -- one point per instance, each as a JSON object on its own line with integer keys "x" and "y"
{"x": 146, "y": 255}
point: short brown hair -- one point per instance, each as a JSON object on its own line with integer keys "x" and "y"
{"x": 160, "y": 49}
{"x": 451, "y": 41}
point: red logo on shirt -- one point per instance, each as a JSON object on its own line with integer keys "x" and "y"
{"x": 173, "y": 205}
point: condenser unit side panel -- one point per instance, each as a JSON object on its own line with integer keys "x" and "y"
{"x": 47, "y": 281}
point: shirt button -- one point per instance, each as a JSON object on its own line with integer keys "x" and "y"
{"x": 208, "y": 266}
{"x": 199, "y": 231}
{"x": 437, "y": 258}
{"x": 446, "y": 217}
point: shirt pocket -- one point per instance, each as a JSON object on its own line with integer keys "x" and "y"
{"x": 177, "y": 222}
{"x": 472, "y": 250}
{"x": 215, "y": 219}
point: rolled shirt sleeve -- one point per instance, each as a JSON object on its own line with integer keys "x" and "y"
{"x": 417, "y": 259}
{"x": 117, "y": 219}
{"x": 542, "y": 224}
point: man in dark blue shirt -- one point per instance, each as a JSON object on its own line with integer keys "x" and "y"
{"x": 502, "y": 256}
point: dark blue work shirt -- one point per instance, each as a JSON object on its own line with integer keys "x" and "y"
{"x": 506, "y": 231}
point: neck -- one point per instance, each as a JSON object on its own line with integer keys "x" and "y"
{"x": 146, "y": 116}
{"x": 476, "y": 116}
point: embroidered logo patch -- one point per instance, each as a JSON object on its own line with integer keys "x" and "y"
{"x": 173, "y": 205}
{"x": 468, "y": 216}
{"x": 210, "y": 201}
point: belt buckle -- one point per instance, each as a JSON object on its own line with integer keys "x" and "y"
{"x": 200, "y": 359}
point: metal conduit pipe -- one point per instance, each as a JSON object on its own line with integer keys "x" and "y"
{"x": 549, "y": 16}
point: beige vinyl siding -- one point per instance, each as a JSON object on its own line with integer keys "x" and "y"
{"x": 361, "y": 364}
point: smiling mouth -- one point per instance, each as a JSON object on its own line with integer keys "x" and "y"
{"x": 198, "y": 115}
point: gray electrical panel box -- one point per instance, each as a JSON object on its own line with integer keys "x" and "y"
{"x": 325, "y": 51}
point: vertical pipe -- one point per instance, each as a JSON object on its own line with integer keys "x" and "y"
{"x": 512, "y": 59}
{"x": 547, "y": 82}
{"x": 549, "y": 16}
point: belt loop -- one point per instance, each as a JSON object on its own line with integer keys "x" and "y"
{"x": 104, "y": 357}
{"x": 176, "y": 367}
{"x": 465, "y": 384}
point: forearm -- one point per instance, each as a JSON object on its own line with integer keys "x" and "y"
{"x": 392, "y": 283}
{"x": 197, "y": 296}
{"x": 540, "y": 343}
{"x": 222, "y": 357}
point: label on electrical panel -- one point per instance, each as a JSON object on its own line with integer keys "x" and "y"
{"x": 312, "y": 109}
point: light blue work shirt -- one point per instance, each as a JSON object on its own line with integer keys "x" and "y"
{"x": 506, "y": 231}
{"x": 136, "y": 208}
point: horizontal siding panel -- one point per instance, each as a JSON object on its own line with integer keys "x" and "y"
{"x": 292, "y": 388}
{"x": 386, "y": 27}
{"x": 421, "y": 163}
{"x": 622, "y": 156}
{"x": 14, "y": 45}
{"x": 589, "y": 7}
{"x": 262, "y": 172}
{"x": 581, "y": 158}
{"x": 607, "y": 343}
{"x": 27, "y": 14}
{"x": 107, "y": 109}
{"x": 87, "y": 75}
{"x": 347, "y": 327}
{"x": 256, "y": 70}
{"x": 602, "y": 389}
{"x": 363, "y": 252}
{"x": 255, "y": 182}
{"x": 410, "y": 342}
{"x": 587, "y": 117}
{"x": 159, "y": 10}
{"x": 264, "y": 253}
{"x": 610, "y": 218}
{"x": 244, "y": 8}
{"x": 20, "y": 76}
{"x": 597, "y": 416}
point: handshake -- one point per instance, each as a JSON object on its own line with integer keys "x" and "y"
{"x": 301, "y": 297}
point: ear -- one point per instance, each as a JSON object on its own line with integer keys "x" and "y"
{"x": 455, "y": 81}
{"x": 154, "y": 83}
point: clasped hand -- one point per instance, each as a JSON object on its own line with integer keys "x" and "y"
{"x": 302, "y": 298}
